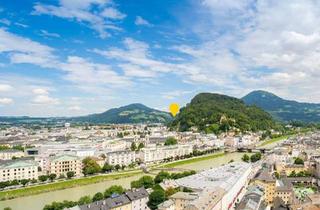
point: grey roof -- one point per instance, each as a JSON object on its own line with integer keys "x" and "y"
{"x": 264, "y": 175}
{"x": 10, "y": 151}
{"x": 253, "y": 199}
{"x": 137, "y": 194}
{"x": 109, "y": 203}
{"x": 284, "y": 185}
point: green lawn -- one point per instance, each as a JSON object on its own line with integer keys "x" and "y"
{"x": 192, "y": 160}
{"x": 273, "y": 140}
{"x": 32, "y": 190}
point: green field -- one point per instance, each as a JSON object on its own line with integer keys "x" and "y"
{"x": 273, "y": 140}
{"x": 32, "y": 190}
{"x": 192, "y": 160}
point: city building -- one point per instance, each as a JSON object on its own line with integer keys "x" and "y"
{"x": 252, "y": 200}
{"x": 265, "y": 180}
{"x": 9, "y": 154}
{"x": 155, "y": 153}
{"x": 139, "y": 198}
{"x": 124, "y": 157}
{"x": 18, "y": 170}
{"x": 225, "y": 184}
{"x": 62, "y": 164}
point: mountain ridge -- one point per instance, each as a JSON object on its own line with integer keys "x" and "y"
{"x": 282, "y": 109}
{"x": 212, "y": 112}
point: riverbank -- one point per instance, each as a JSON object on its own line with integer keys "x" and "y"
{"x": 38, "y": 201}
{"x": 191, "y": 160}
{"x": 274, "y": 140}
{"x": 33, "y": 190}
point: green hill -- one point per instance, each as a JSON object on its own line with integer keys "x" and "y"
{"x": 284, "y": 110}
{"x": 216, "y": 113}
{"x": 133, "y": 113}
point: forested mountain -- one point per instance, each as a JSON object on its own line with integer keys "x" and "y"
{"x": 282, "y": 109}
{"x": 217, "y": 113}
{"x": 133, "y": 113}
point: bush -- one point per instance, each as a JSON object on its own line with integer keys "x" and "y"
{"x": 145, "y": 181}
{"x": 97, "y": 197}
{"x": 155, "y": 198}
{"x": 298, "y": 161}
{"x": 70, "y": 174}
{"x": 43, "y": 178}
{"x": 170, "y": 141}
{"x": 114, "y": 189}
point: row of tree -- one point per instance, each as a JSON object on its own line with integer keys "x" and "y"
{"x": 91, "y": 167}
{"x": 114, "y": 189}
{"x": 42, "y": 178}
{"x": 253, "y": 158}
{"x": 158, "y": 195}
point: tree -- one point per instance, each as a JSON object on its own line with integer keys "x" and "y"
{"x": 277, "y": 175}
{"x": 140, "y": 146}
{"x": 161, "y": 176}
{"x": 97, "y": 197}
{"x": 117, "y": 167}
{"x": 43, "y": 178}
{"x": 24, "y": 182}
{"x": 145, "y": 181}
{"x": 107, "y": 167}
{"x": 114, "y": 189}
{"x": 298, "y": 161}
{"x": 70, "y": 174}
{"x": 84, "y": 200}
{"x": 155, "y": 198}
{"x": 255, "y": 157}
{"x": 133, "y": 146}
{"x": 293, "y": 174}
{"x": 245, "y": 158}
{"x": 7, "y": 208}
{"x": 90, "y": 166}
{"x": 170, "y": 141}
{"x": 52, "y": 176}
{"x": 170, "y": 191}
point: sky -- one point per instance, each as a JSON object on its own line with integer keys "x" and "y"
{"x": 76, "y": 57}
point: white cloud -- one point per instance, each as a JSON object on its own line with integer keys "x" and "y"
{"x": 5, "y": 88}
{"x": 142, "y": 22}
{"x": 88, "y": 74}
{"x": 6, "y": 101}
{"x": 75, "y": 108}
{"x": 5, "y": 21}
{"x": 23, "y": 50}
{"x": 45, "y": 100}
{"x": 40, "y": 91}
{"x": 175, "y": 94}
{"x": 48, "y": 34}
{"x": 87, "y": 11}
{"x": 112, "y": 13}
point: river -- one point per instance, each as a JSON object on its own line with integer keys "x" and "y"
{"x": 37, "y": 202}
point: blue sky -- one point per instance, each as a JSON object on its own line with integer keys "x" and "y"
{"x": 74, "y": 57}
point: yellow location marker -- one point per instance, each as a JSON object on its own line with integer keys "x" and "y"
{"x": 174, "y": 109}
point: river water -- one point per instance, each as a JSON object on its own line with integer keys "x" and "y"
{"x": 37, "y": 202}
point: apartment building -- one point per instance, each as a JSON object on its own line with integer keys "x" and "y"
{"x": 62, "y": 164}
{"x": 18, "y": 170}
{"x": 8, "y": 154}
{"x": 121, "y": 157}
{"x": 135, "y": 199}
{"x": 159, "y": 153}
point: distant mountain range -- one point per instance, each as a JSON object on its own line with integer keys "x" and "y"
{"x": 282, "y": 109}
{"x": 216, "y": 113}
{"x": 203, "y": 110}
{"x": 133, "y": 113}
